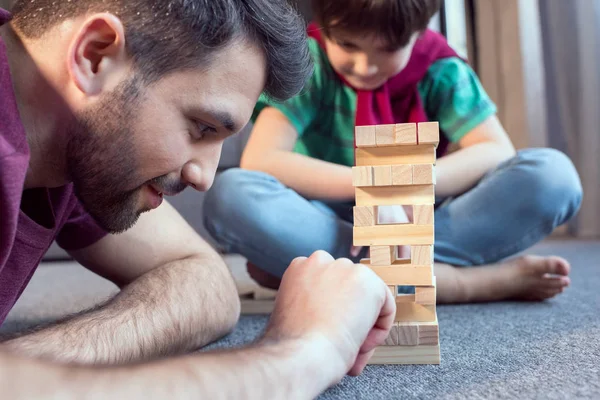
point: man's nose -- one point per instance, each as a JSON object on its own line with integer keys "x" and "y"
{"x": 201, "y": 174}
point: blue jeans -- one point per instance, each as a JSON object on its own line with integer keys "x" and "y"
{"x": 510, "y": 209}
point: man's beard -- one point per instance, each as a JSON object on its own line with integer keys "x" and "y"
{"x": 101, "y": 159}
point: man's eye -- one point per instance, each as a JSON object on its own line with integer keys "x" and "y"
{"x": 203, "y": 130}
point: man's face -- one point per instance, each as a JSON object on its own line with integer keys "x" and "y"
{"x": 366, "y": 61}
{"x": 136, "y": 143}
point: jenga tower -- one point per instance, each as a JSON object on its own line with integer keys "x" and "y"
{"x": 395, "y": 166}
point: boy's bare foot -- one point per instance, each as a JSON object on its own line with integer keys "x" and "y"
{"x": 527, "y": 278}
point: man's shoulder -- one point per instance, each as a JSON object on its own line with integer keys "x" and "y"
{"x": 12, "y": 133}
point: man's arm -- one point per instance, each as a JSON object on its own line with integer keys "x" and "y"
{"x": 177, "y": 295}
{"x": 277, "y": 370}
{"x": 311, "y": 342}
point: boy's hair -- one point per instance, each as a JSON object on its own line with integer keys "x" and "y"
{"x": 165, "y": 36}
{"x": 395, "y": 21}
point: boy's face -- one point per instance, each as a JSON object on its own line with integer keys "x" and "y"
{"x": 366, "y": 61}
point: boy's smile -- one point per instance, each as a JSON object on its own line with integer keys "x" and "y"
{"x": 366, "y": 61}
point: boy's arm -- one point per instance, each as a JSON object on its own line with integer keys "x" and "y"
{"x": 269, "y": 150}
{"x": 481, "y": 150}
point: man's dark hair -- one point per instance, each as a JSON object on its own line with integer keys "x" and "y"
{"x": 393, "y": 20}
{"x": 163, "y": 36}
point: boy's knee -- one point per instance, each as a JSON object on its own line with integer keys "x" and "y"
{"x": 553, "y": 183}
{"x": 234, "y": 197}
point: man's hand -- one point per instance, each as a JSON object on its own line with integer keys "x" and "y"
{"x": 344, "y": 303}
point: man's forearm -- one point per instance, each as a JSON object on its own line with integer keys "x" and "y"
{"x": 290, "y": 370}
{"x": 178, "y": 307}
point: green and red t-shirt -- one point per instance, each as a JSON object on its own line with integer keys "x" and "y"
{"x": 324, "y": 113}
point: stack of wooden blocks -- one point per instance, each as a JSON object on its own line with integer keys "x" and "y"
{"x": 394, "y": 166}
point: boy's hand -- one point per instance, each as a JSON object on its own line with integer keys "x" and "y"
{"x": 336, "y": 302}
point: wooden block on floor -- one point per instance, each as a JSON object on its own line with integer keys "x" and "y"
{"x": 392, "y": 339}
{"x": 389, "y": 235}
{"x": 395, "y": 195}
{"x": 365, "y": 136}
{"x": 421, "y": 255}
{"x": 383, "y": 255}
{"x": 384, "y": 135}
{"x": 423, "y": 214}
{"x": 423, "y": 174}
{"x": 257, "y": 307}
{"x": 362, "y": 176}
{"x": 429, "y": 133}
{"x": 406, "y": 134}
{"x": 425, "y": 295}
{"x": 413, "y": 312}
{"x": 382, "y": 175}
{"x": 408, "y": 334}
{"x": 411, "y": 275}
{"x": 402, "y": 175}
{"x": 365, "y": 216}
{"x": 398, "y": 155}
{"x": 425, "y": 354}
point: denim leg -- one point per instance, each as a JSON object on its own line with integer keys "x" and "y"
{"x": 510, "y": 209}
{"x": 251, "y": 213}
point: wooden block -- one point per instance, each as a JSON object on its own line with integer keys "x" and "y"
{"x": 402, "y": 175}
{"x": 423, "y": 214}
{"x": 423, "y": 174}
{"x": 365, "y": 216}
{"x": 406, "y": 134}
{"x": 407, "y": 334}
{"x": 398, "y": 155}
{"x": 383, "y": 255}
{"x": 389, "y": 235}
{"x": 384, "y": 135}
{"x": 365, "y": 136}
{"x": 394, "y": 290}
{"x": 405, "y": 275}
{"x": 425, "y": 294}
{"x": 395, "y": 195}
{"x": 421, "y": 255}
{"x": 362, "y": 176}
{"x": 405, "y": 298}
{"x": 406, "y": 355}
{"x": 413, "y": 312}
{"x": 257, "y": 307}
{"x": 429, "y": 133}
{"x": 382, "y": 175}
{"x": 429, "y": 333}
{"x": 392, "y": 339}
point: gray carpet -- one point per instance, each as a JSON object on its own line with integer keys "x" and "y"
{"x": 549, "y": 350}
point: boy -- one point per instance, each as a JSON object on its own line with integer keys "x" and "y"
{"x": 377, "y": 63}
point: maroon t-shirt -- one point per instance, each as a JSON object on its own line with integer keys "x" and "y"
{"x": 30, "y": 220}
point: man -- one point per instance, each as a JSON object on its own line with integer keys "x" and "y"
{"x": 106, "y": 106}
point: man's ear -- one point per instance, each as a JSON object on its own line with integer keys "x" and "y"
{"x": 97, "y": 53}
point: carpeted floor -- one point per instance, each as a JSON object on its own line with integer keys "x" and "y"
{"x": 548, "y": 350}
